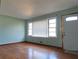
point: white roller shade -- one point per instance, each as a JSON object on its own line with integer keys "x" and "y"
{"x": 40, "y": 28}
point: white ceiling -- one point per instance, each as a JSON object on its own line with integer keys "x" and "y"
{"x": 26, "y": 9}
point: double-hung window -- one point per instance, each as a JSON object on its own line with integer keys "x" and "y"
{"x": 30, "y": 29}
{"x": 52, "y": 27}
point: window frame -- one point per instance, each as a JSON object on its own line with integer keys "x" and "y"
{"x": 68, "y": 18}
{"x": 52, "y": 27}
{"x": 29, "y": 29}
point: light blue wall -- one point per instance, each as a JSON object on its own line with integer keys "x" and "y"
{"x": 51, "y": 41}
{"x": 11, "y": 30}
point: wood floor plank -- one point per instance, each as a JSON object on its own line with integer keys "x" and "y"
{"x": 33, "y": 51}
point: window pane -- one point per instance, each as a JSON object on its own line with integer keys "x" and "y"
{"x": 30, "y": 24}
{"x": 52, "y": 34}
{"x": 40, "y": 28}
{"x": 71, "y": 18}
{"x": 52, "y": 21}
{"x": 30, "y": 31}
{"x": 52, "y": 25}
{"x": 52, "y": 29}
{"x": 29, "y": 28}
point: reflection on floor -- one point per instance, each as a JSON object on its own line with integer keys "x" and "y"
{"x": 32, "y": 51}
{"x": 34, "y": 54}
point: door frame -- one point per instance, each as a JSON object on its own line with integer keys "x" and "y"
{"x": 62, "y": 27}
{"x": 62, "y": 30}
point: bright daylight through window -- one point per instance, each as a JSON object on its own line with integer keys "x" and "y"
{"x": 43, "y": 28}
{"x": 52, "y": 27}
{"x": 29, "y": 29}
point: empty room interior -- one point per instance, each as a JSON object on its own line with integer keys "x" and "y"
{"x": 38, "y": 29}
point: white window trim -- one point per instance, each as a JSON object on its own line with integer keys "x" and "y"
{"x": 29, "y": 29}
{"x": 52, "y": 27}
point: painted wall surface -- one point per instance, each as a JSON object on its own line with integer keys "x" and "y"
{"x": 11, "y": 30}
{"x": 50, "y": 41}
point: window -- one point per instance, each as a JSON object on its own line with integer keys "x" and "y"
{"x": 72, "y": 18}
{"x": 29, "y": 29}
{"x": 52, "y": 27}
{"x": 40, "y": 28}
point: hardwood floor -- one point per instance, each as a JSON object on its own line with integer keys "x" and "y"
{"x": 32, "y": 51}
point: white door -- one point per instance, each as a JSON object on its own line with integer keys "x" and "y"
{"x": 70, "y": 40}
